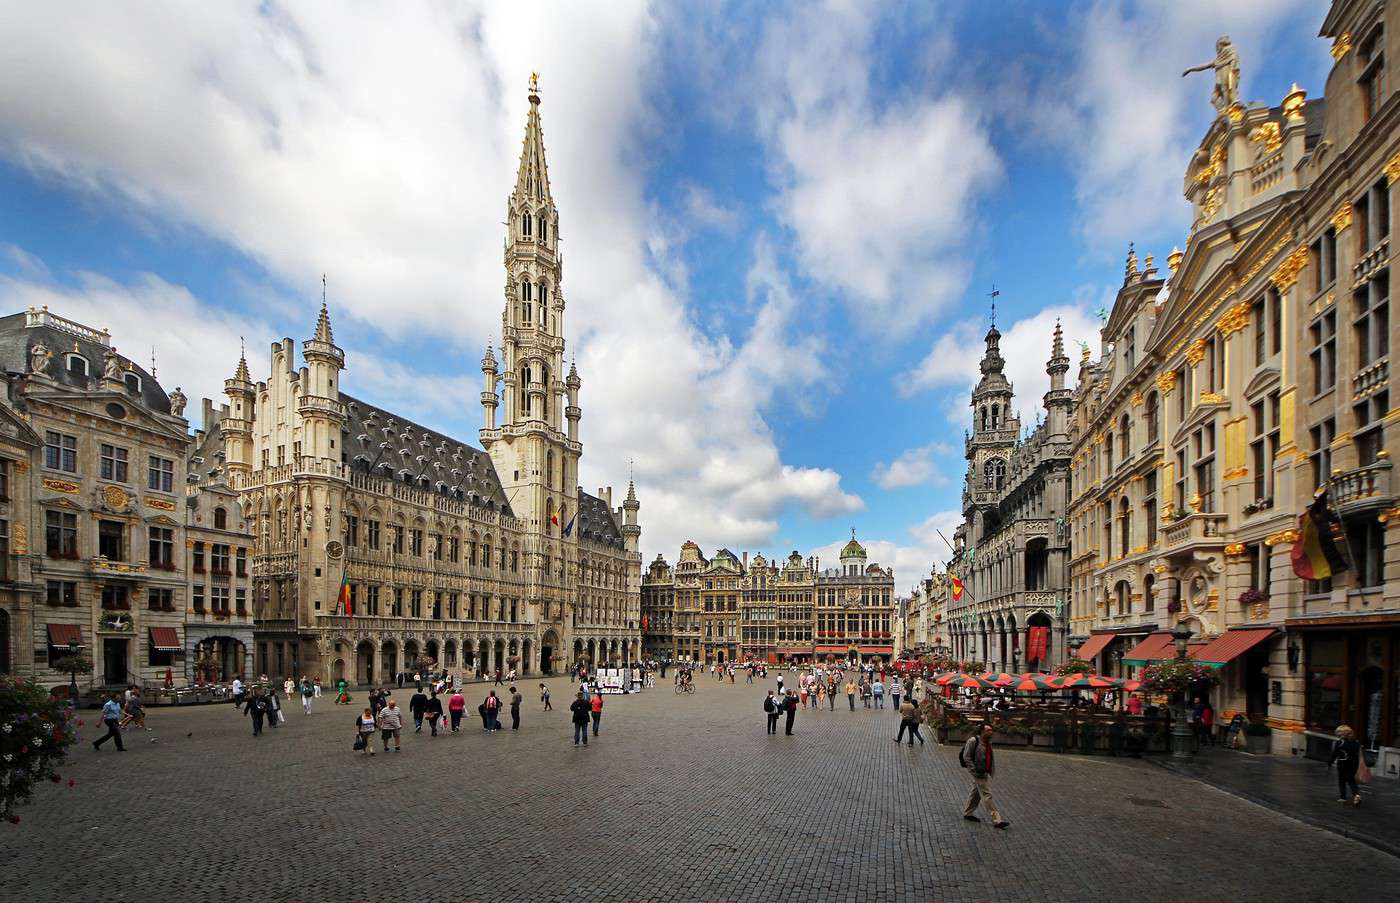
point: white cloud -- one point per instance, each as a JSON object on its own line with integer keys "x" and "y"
{"x": 878, "y": 194}
{"x": 1126, "y": 117}
{"x": 702, "y": 207}
{"x": 913, "y": 467}
{"x": 380, "y": 146}
{"x": 954, "y": 359}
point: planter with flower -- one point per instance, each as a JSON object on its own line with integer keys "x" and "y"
{"x": 36, "y": 731}
{"x": 1178, "y": 677}
{"x": 1074, "y": 666}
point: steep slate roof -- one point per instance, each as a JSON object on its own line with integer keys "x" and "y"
{"x": 595, "y": 521}
{"x": 16, "y": 340}
{"x": 388, "y": 446}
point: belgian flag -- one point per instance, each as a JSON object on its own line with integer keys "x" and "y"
{"x": 957, "y": 588}
{"x": 344, "y": 602}
{"x": 1319, "y": 552}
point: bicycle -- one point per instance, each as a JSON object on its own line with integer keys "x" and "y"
{"x": 685, "y": 688}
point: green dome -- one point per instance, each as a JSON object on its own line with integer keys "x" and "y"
{"x": 853, "y": 549}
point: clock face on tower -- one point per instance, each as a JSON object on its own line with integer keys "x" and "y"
{"x": 334, "y": 550}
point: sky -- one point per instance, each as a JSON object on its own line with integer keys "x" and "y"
{"x": 780, "y": 222}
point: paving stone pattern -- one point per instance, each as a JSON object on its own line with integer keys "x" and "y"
{"x": 680, "y": 798}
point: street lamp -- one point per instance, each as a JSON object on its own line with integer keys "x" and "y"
{"x": 1181, "y": 732}
{"x": 73, "y": 648}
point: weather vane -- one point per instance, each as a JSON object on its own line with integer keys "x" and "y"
{"x": 993, "y": 295}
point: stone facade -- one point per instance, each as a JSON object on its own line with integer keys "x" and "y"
{"x": 472, "y": 559}
{"x": 1225, "y": 398}
{"x": 1012, "y": 549}
{"x": 733, "y": 608}
{"x": 94, "y": 469}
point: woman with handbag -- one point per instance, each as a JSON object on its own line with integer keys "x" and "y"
{"x": 364, "y": 731}
{"x": 1346, "y": 753}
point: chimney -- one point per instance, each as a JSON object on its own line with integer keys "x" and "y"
{"x": 605, "y": 493}
{"x": 207, "y": 415}
{"x": 746, "y": 561}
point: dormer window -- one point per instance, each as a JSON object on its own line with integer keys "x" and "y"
{"x": 1129, "y": 349}
{"x": 77, "y": 365}
{"x": 133, "y": 384}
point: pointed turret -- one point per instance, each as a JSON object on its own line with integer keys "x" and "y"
{"x": 631, "y": 532}
{"x": 323, "y": 326}
{"x": 322, "y": 413}
{"x": 532, "y": 177}
{"x": 488, "y": 395}
{"x": 1058, "y": 399}
{"x": 236, "y": 429}
{"x": 572, "y": 412}
{"x": 1058, "y": 365}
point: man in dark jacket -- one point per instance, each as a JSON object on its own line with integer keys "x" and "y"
{"x": 418, "y": 704}
{"x": 770, "y": 707}
{"x": 790, "y": 706}
{"x": 515, "y": 699}
{"x": 580, "y": 709}
{"x": 976, "y": 757}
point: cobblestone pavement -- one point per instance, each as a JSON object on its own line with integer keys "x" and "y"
{"x": 680, "y": 798}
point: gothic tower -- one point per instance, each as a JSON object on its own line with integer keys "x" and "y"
{"x": 1058, "y": 400}
{"x": 536, "y": 461}
{"x": 994, "y": 428}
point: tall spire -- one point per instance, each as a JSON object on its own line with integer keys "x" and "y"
{"x": 323, "y": 324}
{"x": 241, "y": 372}
{"x": 532, "y": 179}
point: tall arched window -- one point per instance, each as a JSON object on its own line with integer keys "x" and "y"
{"x": 220, "y": 519}
{"x": 996, "y": 410}
{"x": 525, "y": 290}
{"x": 543, "y": 295}
{"x": 525, "y": 390}
{"x": 1125, "y": 525}
{"x": 549, "y": 469}
{"x": 1153, "y": 419}
{"x": 984, "y": 418}
{"x": 544, "y": 227}
{"x": 544, "y": 381}
{"x": 994, "y": 473}
{"x": 1124, "y": 441}
{"x": 525, "y": 224}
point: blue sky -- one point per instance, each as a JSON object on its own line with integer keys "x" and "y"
{"x": 780, "y": 222}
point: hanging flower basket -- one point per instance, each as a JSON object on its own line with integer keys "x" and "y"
{"x": 1178, "y": 676}
{"x": 1252, "y": 595}
{"x": 1074, "y": 666}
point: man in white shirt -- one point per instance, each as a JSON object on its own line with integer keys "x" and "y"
{"x": 237, "y": 691}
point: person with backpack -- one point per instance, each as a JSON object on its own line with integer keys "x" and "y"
{"x": 790, "y": 707}
{"x": 544, "y": 698}
{"x": 493, "y": 712}
{"x": 770, "y": 707}
{"x": 580, "y": 709}
{"x": 257, "y": 710}
{"x": 308, "y": 693}
{"x": 976, "y": 757}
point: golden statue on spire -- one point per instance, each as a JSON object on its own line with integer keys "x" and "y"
{"x": 534, "y": 83}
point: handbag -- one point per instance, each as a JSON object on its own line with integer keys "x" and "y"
{"x": 360, "y": 743}
{"x": 1363, "y": 771}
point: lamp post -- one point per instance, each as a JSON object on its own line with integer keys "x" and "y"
{"x": 1181, "y": 731}
{"x": 73, "y": 648}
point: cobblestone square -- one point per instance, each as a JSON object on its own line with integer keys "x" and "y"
{"x": 679, "y": 798}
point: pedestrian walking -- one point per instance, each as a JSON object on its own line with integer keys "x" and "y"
{"x": 596, "y": 707}
{"x": 865, "y": 693}
{"x": 111, "y": 719}
{"x": 433, "y": 711}
{"x": 364, "y": 731}
{"x": 456, "y": 705}
{"x": 342, "y": 692}
{"x": 316, "y": 685}
{"x": 544, "y": 698}
{"x": 1208, "y": 723}
{"x": 878, "y": 688}
{"x": 851, "y": 694}
{"x": 907, "y": 711}
{"x": 308, "y": 693}
{"x": 238, "y": 692}
{"x": 917, "y": 720}
{"x": 498, "y": 677}
{"x": 288, "y": 687}
{"x": 135, "y": 710}
{"x": 1346, "y": 753}
{"x": 390, "y": 723}
{"x": 515, "y": 698}
{"x": 580, "y": 708}
{"x": 976, "y": 757}
{"x": 493, "y": 712}
{"x": 274, "y": 709}
{"x": 790, "y": 707}
{"x": 417, "y": 705}
{"x": 770, "y": 708}
{"x": 895, "y": 691}
{"x": 257, "y": 710}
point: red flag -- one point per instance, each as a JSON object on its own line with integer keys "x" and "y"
{"x": 957, "y": 587}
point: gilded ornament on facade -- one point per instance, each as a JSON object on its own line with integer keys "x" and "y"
{"x": 114, "y": 496}
{"x": 1174, "y": 258}
{"x": 1293, "y": 103}
{"x": 1236, "y": 112}
{"x": 1195, "y": 352}
{"x": 1259, "y": 611}
{"x": 1235, "y": 550}
{"x": 1392, "y": 170}
{"x": 1234, "y": 319}
{"x": 1195, "y": 502}
{"x": 1342, "y": 218}
{"x": 1341, "y": 46}
{"x": 1214, "y": 168}
{"x": 62, "y": 486}
{"x": 160, "y": 504}
{"x": 19, "y": 539}
{"x": 1212, "y": 398}
{"x": 1138, "y": 399}
{"x": 1286, "y": 275}
{"x": 21, "y": 467}
{"x": 1268, "y": 135}
{"x": 1282, "y": 536}
{"x": 1166, "y": 382}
